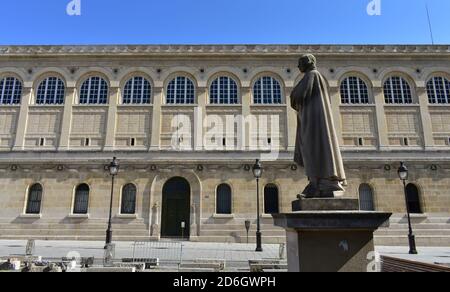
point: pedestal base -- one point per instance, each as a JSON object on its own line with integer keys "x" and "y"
{"x": 325, "y": 204}
{"x": 330, "y": 241}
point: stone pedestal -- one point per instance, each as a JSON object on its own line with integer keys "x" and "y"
{"x": 330, "y": 240}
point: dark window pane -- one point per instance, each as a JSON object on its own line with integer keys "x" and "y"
{"x": 137, "y": 91}
{"x": 366, "y": 198}
{"x": 223, "y": 199}
{"x": 94, "y": 91}
{"x": 271, "y": 200}
{"x": 223, "y": 90}
{"x": 34, "y": 199}
{"x": 10, "y": 91}
{"x": 438, "y": 90}
{"x": 81, "y": 203}
{"x": 180, "y": 90}
{"x": 413, "y": 199}
{"x": 267, "y": 90}
{"x": 397, "y": 91}
{"x": 128, "y": 199}
{"x": 51, "y": 91}
{"x": 354, "y": 91}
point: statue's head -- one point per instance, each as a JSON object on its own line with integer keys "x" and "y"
{"x": 307, "y": 62}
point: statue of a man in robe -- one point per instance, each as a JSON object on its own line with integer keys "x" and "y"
{"x": 317, "y": 145}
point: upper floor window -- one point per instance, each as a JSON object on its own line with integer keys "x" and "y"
{"x": 397, "y": 91}
{"x": 34, "y": 199}
{"x": 354, "y": 91}
{"x": 267, "y": 90}
{"x": 51, "y": 91}
{"x": 181, "y": 90}
{"x": 94, "y": 91}
{"x": 223, "y": 90}
{"x": 10, "y": 91}
{"x": 137, "y": 91}
{"x": 438, "y": 89}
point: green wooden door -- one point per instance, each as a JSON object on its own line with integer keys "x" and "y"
{"x": 176, "y": 208}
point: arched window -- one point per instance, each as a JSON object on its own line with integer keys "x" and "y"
{"x": 397, "y": 91}
{"x": 10, "y": 91}
{"x": 438, "y": 89}
{"x": 271, "y": 200}
{"x": 413, "y": 199}
{"x": 181, "y": 90}
{"x": 51, "y": 91}
{"x": 81, "y": 203}
{"x": 267, "y": 90}
{"x": 366, "y": 198}
{"x": 94, "y": 91}
{"x": 223, "y": 199}
{"x": 34, "y": 199}
{"x": 128, "y": 205}
{"x": 354, "y": 91}
{"x": 137, "y": 91}
{"x": 223, "y": 90}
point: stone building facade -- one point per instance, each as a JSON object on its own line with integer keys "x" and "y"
{"x": 66, "y": 111}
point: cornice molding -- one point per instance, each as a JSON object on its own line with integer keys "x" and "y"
{"x": 220, "y": 50}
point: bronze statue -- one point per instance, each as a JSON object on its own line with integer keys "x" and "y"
{"x": 317, "y": 145}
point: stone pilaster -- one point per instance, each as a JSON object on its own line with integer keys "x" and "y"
{"x": 19, "y": 142}
{"x": 427, "y": 128}
{"x": 64, "y": 138}
{"x": 382, "y": 129}
{"x": 291, "y": 121}
{"x": 336, "y": 110}
{"x": 112, "y": 115}
{"x": 155, "y": 142}
{"x": 246, "y": 112}
{"x": 199, "y": 118}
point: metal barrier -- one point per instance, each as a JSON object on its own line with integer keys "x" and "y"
{"x": 165, "y": 252}
{"x": 188, "y": 256}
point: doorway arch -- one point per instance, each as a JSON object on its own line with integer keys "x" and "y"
{"x": 176, "y": 202}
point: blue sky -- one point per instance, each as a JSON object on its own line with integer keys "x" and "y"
{"x": 223, "y": 22}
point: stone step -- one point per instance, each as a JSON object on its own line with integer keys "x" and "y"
{"x": 435, "y": 241}
{"x": 417, "y": 231}
{"x": 235, "y": 227}
{"x": 242, "y": 233}
{"x": 78, "y": 238}
{"x": 68, "y": 232}
{"x": 109, "y": 270}
{"x": 196, "y": 270}
{"x": 252, "y": 239}
{"x": 443, "y": 219}
{"x": 217, "y": 267}
{"x": 69, "y": 226}
{"x": 434, "y": 224}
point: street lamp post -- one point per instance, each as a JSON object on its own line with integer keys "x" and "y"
{"x": 403, "y": 174}
{"x": 113, "y": 171}
{"x": 257, "y": 172}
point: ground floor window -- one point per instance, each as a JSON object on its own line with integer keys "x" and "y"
{"x": 413, "y": 199}
{"x": 223, "y": 196}
{"x": 128, "y": 205}
{"x": 366, "y": 198}
{"x": 81, "y": 202}
{"x": 271, "y": 199}
{"x": 34, "y": 199}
